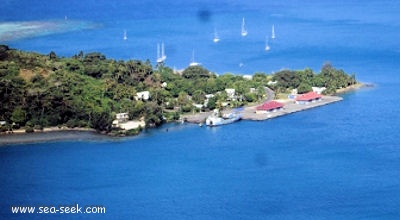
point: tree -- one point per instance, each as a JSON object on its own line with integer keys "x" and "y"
{"x": 260, "y": 92}
{"x": 304, "y": 87}
{"x": 199, "y": 96}
{"x": 250, "y": 97}
{"x": 193, "y": 72}
{"x": 101, "y": 120}
{"x": 287, "y": 79}
{"x": 212, "y": 103}
{"x": 153, "y": 115}
{"x": 18, "y": 116}
{"x": 183, "y": 99}
{"x": 3, "y": 52}
{"x": 52, "y": 55}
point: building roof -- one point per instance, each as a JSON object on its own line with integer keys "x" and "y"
{"x": 308, "y": 96}
{"x": 269, "y": 106}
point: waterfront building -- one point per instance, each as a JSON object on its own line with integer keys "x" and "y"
{"x": 267, "y": 107}
{"x": 307, "y": 98}
{"x": 318, "y": 90}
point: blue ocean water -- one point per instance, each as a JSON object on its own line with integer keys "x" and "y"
{"x": 334, "y": 162}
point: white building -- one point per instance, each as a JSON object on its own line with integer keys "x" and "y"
{"x": 230, "y": 93}
{"x": 208, "y": 96}
{"x": 120, "y": 118}
{"x": 318, "y": 90}
{"x": 145, "y": 95}
{"x": 248, "y": 77}
{"x": 199, "y": 106}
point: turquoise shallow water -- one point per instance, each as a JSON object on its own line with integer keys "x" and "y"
{"x": 334, "y": 162}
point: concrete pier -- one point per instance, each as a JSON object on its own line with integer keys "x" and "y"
{"x": 289, "y": 107}
{"x": 249, "y": 112}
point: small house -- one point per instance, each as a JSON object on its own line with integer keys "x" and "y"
{"x": 318, "y": 90}
{"x": 230, "y": 93}
{"x": 120, "y": 118}
{"x": 208, "y": 96}
{"x": 307, "y": 98}
{"x": 199, "y": 106}
{"x": 144, "y": 96}
{"x": 268, "y": 107}
{"x": 248, "y": 77}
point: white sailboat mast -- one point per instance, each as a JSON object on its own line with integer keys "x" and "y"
{"x": 162, "y": 50}
{"x": 273, "y": 32}
{"x": 158, "y": 51}
{"x": 243, "y": 30}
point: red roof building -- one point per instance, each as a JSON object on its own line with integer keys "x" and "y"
{"x": 308, "y": 97}
{"x": 269, "y": 107}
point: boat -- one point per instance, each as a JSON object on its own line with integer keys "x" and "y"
{"x": 243, "y": 30}
{"x": 193, "y": 63}
{"x": 161, "y": 57}
{"x": 273, "y": 32}
{"x": 216, "y": 37}
{"x": 216, "y": 119}
{"x": 267, "y": 47}
{"x": 125, "y": 35}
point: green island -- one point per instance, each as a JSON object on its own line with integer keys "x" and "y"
{"x": 89, "y": 91}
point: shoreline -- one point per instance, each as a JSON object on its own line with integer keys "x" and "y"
{"x": 50, "y": 134}
{"x": 249, "y": 112}
{"x": 289, "y": 108}
{"x": 353, "y": 87}
{"x": 47, "y": 129}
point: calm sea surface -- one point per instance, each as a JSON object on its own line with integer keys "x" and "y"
{"x": 339, "y": 161}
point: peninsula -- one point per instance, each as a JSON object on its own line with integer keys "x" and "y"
{"x": 118, "y": 97}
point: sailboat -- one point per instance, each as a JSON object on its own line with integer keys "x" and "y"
{"x": 273, "y": 32}
{"x": 161, "y": 57}
{"x": 243, "y": 30}
{"x": 267, "y": 48}
{"x": 125, "y": 35}
{"x": 216, "y": 37}
{"x": 193, "y": 63}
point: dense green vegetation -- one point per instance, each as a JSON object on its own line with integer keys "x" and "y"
{"x": 87, "y": 90}
{"x": 302, "y": 80}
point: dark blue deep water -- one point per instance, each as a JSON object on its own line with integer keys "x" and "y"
{"x": 339, "y": 161}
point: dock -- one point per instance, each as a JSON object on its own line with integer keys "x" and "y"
{"x": 289, "y": 107}
{"x": 196, "y": 118}
{"x": 249, "y": 112}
